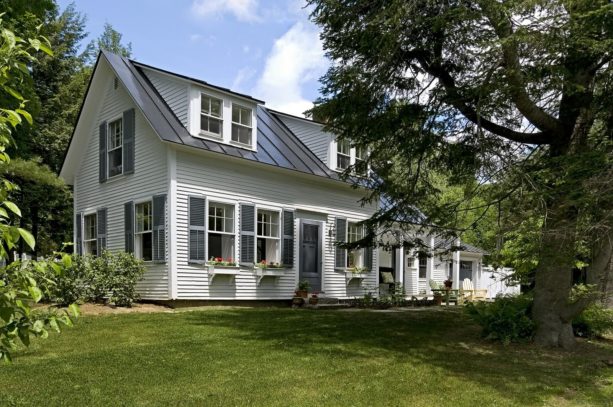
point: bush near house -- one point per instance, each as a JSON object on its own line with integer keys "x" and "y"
{"x": 110, "y": 276}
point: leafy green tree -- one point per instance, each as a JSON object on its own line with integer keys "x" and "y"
{"x": 18, "y": 288}
{"x": 109, "y": 40}
{"x": 515, "y": 94}
{"x": 45, "y": 202}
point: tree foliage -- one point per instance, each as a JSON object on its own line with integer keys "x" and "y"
{"x": 18, "y": 288}
{"x": 507, "y": 101}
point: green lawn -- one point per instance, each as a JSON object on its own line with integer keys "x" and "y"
{"x": 268, "y": 356}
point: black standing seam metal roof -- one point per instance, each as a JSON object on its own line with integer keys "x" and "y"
{"x": 446, "y": 244}
{"x": 276, "y": 144}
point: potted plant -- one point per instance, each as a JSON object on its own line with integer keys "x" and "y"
{"x": 448, "y": 283}
{"x": 218, "y": 261}
{"x": 438, "y": 298}
{"x": 313, "y": 299}
{"x": 303, "y": 289}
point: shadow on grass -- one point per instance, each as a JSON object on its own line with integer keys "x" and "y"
{"x": 445, "y": 340}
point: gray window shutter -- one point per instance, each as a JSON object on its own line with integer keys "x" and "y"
{"x": 247, "y": 234}
{"x": 340, "y": 254}
{"x": 128, "y": 217}
{"x": 101, "y": 223}
{"x": 102, "y": 153}
{"x": 78, "y": 224}
{"x": 159, "y": 228}
{"x": 287, "y": 248}
{"x": 128, "y": 141}
{"x": 197, "y": 231}
{"x": 368, "y": 258}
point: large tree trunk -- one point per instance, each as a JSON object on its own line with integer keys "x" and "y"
{"x": 553, "y": 281}
{"x": 607, "y": 286}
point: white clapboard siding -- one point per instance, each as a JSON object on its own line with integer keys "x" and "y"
{"x": 239, "y": 181}
{"x": 149, "y": 178}
{"x": 311, "y": 135}
{"x": 174, "y": 92}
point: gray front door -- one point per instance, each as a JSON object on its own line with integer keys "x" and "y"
{"x": 310, "y": 254}
{"x": 466, "y": 271}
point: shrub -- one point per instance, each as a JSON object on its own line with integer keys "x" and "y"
{"x": 70, "y": 283}
{"x": 116, "y": 274}
{"x": 595, "y": 321}
{"x": 111, "y": 276}
{"x": 507, "y": 319}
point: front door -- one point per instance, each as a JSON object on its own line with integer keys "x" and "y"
{"x": 310, "y": 254}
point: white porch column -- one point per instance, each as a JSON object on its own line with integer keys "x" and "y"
{"x": 456, "y": 267}
{"x": 399, "y": 253}
{"x": 430, "y": 265}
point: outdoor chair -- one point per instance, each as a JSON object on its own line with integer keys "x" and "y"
{"x": 469, "y": 293}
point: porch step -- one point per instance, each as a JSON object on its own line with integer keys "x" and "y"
{"x": 328, "y": 301}
{"x": 332, "y": 306}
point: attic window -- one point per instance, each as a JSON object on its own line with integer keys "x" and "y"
{"x": 211, "y": 122}
{"x": 241, "y": 125}
{"x": 343, "y": 156}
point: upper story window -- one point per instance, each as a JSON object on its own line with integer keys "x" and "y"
{"x": 90, "y": 235}
{"x": 143, "y": 234}
{"x": 211, "y": 116}
{"x": 343, "y": 154}
{"x": 115, "y": 147}
{"x": 241, "y": 125}
{"x": 268, "y": 232}
{"x": 221, "y": 231}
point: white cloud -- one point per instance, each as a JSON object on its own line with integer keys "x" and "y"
{"x": 243, "y": 74}
{"x": 297, "y": 57}
{"x": 243, "y": 10}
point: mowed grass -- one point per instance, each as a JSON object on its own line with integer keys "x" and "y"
{"x": 276, "y": 356}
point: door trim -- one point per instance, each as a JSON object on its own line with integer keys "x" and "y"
{"x": 321, "y": 225}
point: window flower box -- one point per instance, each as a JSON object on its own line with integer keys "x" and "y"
{"x": 219, "y": 267}
{"x": 356, "y": 273}
{"x": 274, "y": 272}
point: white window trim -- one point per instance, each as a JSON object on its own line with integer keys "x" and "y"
{"x": 136, "y": 203}
{"x": 236, "y": 233}
{"x": 334, "y": 157}
{"x": 205, "y": 133}
{"x": 95, "y": 238}
{"x": 347, "y": 234}
{"x": 232, "y": 122}
{"x": 108, "y": 135}
{"x": 279, "y": 212}
{"x": 193, "y": 116}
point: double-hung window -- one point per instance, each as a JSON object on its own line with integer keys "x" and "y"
{"x": 241, "y": 125}
{"x": 115, "y": 147}
{"x": 268, "y": 237}
{"x": 343, "y": 154}
{"x": 221, "y": 234}
{"x": 90, "y": 245}
{"x": 355, "y": 257}
{"x": 360, "y": 155}
{"x": 211, "y": 120}
{"x": 143, "y": 234}
{"x": 423, "y": 266}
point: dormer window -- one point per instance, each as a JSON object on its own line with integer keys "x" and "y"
{"x": 211, "y": 120}
{"x": 343, "y": 156}
{"x": 241, "y": 125}
{"x": 222, "y": 118}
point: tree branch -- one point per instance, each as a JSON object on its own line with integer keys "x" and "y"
{"x": 456, "y": 100}
{"x": 504, "y": 30}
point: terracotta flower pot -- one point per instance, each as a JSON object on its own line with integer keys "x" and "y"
{"x": 438, "y": 299}
{"x": 302, "y": 293}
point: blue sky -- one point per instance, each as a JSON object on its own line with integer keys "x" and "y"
{"x": 266, "y": 48}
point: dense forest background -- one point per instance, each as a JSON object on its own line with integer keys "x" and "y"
{"x": 54, "y": 93}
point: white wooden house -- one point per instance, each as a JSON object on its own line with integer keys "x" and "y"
{"x": 179, "y": 171}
